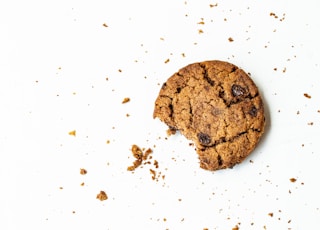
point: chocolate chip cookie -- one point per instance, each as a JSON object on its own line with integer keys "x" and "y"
{"x": 217, "y": 106}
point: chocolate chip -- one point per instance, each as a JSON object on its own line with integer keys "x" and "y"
{"x": 204, "y": 139}
{"x": 163, "y": 85}
{"x": 220, "y": 161}
{"x": 237, "y": 90}
{"x": 253, "y": 111}
{"x": 178, "y": 90}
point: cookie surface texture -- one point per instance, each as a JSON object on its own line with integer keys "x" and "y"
{"x": 217, "y": 106}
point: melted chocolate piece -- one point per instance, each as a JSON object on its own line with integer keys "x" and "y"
{"x": 237, "y": 90}
{"x": 204, "y": 139}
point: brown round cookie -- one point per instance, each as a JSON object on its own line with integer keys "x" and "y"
{"x": 216, "y": 105}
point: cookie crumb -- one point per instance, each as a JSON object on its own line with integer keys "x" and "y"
{"x": 200, "y": 31}
{"x": 153, "y": 173}
{"x": 171, "y": 131}
{"x": 310, "y": 123}
{"x": 293, "y": 180}
{"x": 273, "y": 15}
{"x": 213, "y": 5}
{"x": 104, "y": 25}
{"x": 83, "y": 171}
{"x": 72, "y": 133}
{"x": 166, "y": 61}
{"x": 284, "y": 70}
{"x": 235, "y": 227}
{"x": 307, "y": 95}
{"x": 102, "y": 196}
{"x": 270, "y": 214}
{"x": 140, "y": 156}
{"x": 230, "y": 39}
{"x": 82, "y": 184}
{"x": 125, "y": 100}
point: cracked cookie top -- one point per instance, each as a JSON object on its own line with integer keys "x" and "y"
{"x": 217, "y": 106}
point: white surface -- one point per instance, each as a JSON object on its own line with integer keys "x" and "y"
{"x": 54, "y": 60}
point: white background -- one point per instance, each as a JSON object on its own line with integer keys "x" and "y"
{"x": 62, "y": 70}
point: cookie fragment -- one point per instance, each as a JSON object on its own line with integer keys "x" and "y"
{"x": 217, "y": 106}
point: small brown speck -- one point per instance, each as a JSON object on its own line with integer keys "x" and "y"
{"x": 82, "y": 184}
{"x": 125, "y": 100}
{"x": 270, "y": 214}
{"x": 166, "y": 61}
{"x": 108, "y": 141}
{"x": 102, "y": 196}
{"x": 230, "y": 39}
{"x": 60, "y": 187}
{"x": 201, "y": 23}
{"x": 200, "y": 31}
{"x": 275, "y": 69}
{"x": 72, "y": 133}
{"x": 73, "y": 212}
{"x": 298, "y": 112}
{"x": 119, "y": 70}
{"x": 310, "y": 123}
{"x": 307, "y": 95}
{"x": 293, "y": 180}
{"x": 83, "y": 171}
{"x": 284, "y": 70}
{"x": 127, "y": 115}
{"x": 213, "y": 5}
{"x": 104, "y": 25}
{"x": 183, "y": 55}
